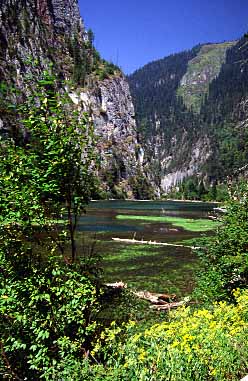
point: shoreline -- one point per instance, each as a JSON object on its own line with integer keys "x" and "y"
{"x": 160, "y": 200}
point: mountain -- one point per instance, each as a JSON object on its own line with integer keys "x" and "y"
{"x": 191, "y": 108}
{"x": 35, "y": 34}
{"x": 191, "y": 112}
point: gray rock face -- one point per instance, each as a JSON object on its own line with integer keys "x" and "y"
{"x": 116, "y": 128}
{"x": 66, "y": 15}
{"x": 62, "y": 15}
{"x": 112, "y": 111}
{"x": 199, "y": 153}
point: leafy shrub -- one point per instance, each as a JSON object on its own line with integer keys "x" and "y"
{"x": 47, "y": 296}
{"x": 225, "y": 258}
{"x": 46, "y": 327}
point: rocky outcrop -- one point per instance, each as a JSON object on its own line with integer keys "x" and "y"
{"x": 34, "y": 34}
{"x": 114, "y": 118}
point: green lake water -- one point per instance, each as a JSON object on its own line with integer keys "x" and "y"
{"x": 143, "y": 267}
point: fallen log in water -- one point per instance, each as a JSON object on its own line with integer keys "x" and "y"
{"x": 159, "y": 302}
{"x": 154, "y": 298}
{"x": 168, "y": 306}
{"x": 116, "y": 285}
{"x": 135, "y": 241}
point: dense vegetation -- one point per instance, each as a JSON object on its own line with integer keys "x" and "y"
{"x": 47, "y": 295}
{"x": 191, "y": 345}
{"x": 53, "y": 313}
{"x": 192, "y": 188}
{"x": 224, "y": 114}
{"x": 225, "y": 260}
{"x": 160, "y": 112}
{"x": 188, "y": 102}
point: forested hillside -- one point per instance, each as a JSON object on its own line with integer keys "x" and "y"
{"x": 191, "y": 111}
{"x": 162, "y": 118}
{"x": 224, "y": 114}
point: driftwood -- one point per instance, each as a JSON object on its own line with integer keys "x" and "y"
{"x": 213, "y": 217}
{"x": 167, "y": 306}
{"x": 158, "y": 299}
{"x": 116, "y": 285}
{"x": 135, "y": 241}
{"x": 159, "y": 302}
{"x": 221, "y": 210}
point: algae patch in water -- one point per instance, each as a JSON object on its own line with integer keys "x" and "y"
{"x": 156, "y": 269}
{"x": 194, "y": 225}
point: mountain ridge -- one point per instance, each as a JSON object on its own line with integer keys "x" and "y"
{"x": 175, "y": 101}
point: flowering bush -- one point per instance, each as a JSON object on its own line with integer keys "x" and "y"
{"x": 191, "y": 345}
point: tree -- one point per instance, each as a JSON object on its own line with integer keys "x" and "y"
{"x": 60, "y": 154}
{"x": 47, "y": 296}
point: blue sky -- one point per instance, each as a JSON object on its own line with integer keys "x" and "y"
{"x": 131, "y": 33}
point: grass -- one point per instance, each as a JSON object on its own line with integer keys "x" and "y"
{"x": 194, "y": 225}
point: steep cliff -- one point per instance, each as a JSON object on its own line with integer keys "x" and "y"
{"x": 112, "y": 110}
{"x": 36, "y": 34}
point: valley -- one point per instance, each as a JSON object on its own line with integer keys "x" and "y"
{"x": 120, "y": 190}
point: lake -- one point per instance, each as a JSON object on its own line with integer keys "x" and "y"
{"x": 165, "y": 269}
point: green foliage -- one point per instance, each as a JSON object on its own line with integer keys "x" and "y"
{"x": 225, "y": 258}
{"x": 142, "y": 189}
{"x": 47, "y": 295}
{"x": 46, "y": 327}
{"x": 191, "y": 346}
{"x": 193, "y": 188}
{"x": 106, "y": 70}
{"x": 53, "y": 166}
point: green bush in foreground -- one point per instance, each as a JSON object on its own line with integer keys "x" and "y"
{"x": 207, "y": 345}
{"x": 225, "y": 258}
{"x": 46, "y": 321}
